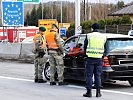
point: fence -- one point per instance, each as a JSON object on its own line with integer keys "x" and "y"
{"x": 118, "y": 29}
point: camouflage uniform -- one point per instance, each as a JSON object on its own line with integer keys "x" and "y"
{"x": 39, "y": 65}
{"x": 39, "y": 60}
{"x": 56, "y": 61}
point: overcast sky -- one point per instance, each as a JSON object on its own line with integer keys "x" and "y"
{"x": 106, "y": 1}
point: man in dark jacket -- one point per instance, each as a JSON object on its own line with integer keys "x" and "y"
{"x": 94, "y": 48}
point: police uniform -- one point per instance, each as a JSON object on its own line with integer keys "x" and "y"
{"x": 55, "y": 50}
{"x": 94, "y": 47}
{"x": 39, "y": 51}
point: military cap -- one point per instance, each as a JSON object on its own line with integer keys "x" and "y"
{"x": 95, "y": 26}
{"x": 41, "y": 28}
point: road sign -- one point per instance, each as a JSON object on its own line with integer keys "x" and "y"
{"x": 79, "y": 29}
{"x": 30, "y": 1}
{"x": 62, "y": 31}
{"x": 12, "y": 13}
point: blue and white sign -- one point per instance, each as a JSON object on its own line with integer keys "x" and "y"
{"x": 62, "y": 31}
{"x": 12, "y": 13}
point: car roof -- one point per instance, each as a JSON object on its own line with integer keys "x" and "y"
{"x": 28, "y": 40}
{"x": 109, "y": 35}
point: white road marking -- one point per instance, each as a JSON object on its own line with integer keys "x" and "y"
{"x": 118, "y": 92}
{"x": 109, "y": 91}
{"x": 19, "y": 79}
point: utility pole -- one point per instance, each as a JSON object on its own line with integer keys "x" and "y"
{"x": 84, "y": 10}
{"x": 61, "y": 14}
{"x": 77, "y": 17}
{"x": 90, "y": 12}
{"x": 52, "y": 9}
{"x": 42, "y": 9}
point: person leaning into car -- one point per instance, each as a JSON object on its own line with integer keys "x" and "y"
{"x": 55, "y": 50}
{"x": 39, "y": 51}
{"x": 94, "y": 47}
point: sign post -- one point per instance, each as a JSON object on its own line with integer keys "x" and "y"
{"x": 79, "y": 29}
{"x": 77, "y": 17}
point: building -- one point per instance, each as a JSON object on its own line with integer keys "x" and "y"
{"x": 126, "y": 10}
{"x": 18, "y": 34}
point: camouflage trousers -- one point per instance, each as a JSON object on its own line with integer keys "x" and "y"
{"x": 56, "y": 64}
{"x": 39, "y": 66}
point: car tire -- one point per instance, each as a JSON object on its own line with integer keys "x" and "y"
{"x": 47, "y": 71}
{"x": 130, "y": 82}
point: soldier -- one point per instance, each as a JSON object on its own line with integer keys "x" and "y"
{"x": 55, "y": 51}
{"x": 39, "y": 51}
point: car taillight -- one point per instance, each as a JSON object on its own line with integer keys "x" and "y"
{"x": 106, "y": 62}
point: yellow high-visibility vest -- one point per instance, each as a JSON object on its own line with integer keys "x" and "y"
{"x": 95, "y": 47}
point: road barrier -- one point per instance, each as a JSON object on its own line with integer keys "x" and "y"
{"x": 26, "y": 52}
{"x": 10, "y": 50}
{"x": 16, "y": 51}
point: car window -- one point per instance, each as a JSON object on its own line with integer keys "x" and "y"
{"x": 81, "y": 40}
{"x": 118, "y": 43}
{"x": 70, "y": 44}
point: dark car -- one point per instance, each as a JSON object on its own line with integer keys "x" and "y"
{"x": 117, "y": 60}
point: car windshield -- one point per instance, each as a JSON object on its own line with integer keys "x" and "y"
{"x": 72, "y": 42}
{"x": 118, "y": 43}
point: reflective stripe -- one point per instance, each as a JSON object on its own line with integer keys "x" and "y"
{"x": 52, "y": 45}
{"x": 43, "y": 41}
{"x": 93, "y": 52}
{"x": 95, "y": 48}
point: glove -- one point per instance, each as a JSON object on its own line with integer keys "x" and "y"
{"x": 64, "y": 54}
{"x": 34, "y": 51}
{"x": 41, "y": 54}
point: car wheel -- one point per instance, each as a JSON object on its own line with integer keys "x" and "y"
{"x": 47, "y": 71}
{"x": 130, "y": 82}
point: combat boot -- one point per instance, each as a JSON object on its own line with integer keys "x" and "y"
{"x": 36, "y": 80}
{"x": 88, "y": 94}
{"x": 41, "y": 81}
{"x": 98, "y": 93}
{"x": 62, "y": 83}
{"x": 52, "y": 83}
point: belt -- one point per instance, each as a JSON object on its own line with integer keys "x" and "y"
{"x": 54, "y": 49}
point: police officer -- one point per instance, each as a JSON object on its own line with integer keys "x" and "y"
{"x": 39, "y": 51}
{"x": 94, "y": 47}
{"x": 55, "y": 51}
